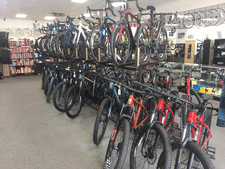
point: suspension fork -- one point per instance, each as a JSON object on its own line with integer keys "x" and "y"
{"x": 143, "y": 149}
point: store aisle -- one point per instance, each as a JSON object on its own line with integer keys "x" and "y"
{"x": 33, "y": 134}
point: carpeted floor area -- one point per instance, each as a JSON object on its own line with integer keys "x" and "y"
{"x": 33, "y": 134}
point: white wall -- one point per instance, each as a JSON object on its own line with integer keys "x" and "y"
{"x": 14, "y": 24}
{"x": 200, "y": 33}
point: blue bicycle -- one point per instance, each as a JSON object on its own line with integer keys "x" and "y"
{"x": 109, "y": 108}
{"x": 100, "y": 37}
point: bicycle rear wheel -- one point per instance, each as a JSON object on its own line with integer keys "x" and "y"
{"x": 120, "y": 41}
{"x": 162, "y": 45}
{"x": 100, "y": 40}
{"x": 59, "y": 94}
{"x": 157, "y": 142}
{"x": 74, "y": 102}
{"x": 46, "y": 84}
{"x": 117, "y": 147}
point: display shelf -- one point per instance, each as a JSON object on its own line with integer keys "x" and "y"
{"x": 21, "y": 65}
{"x": 211, "y": 77}
{"x": 22, "y": 56}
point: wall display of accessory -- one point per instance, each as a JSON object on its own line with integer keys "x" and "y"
{"x": 22, "y": 57}
{"x": 219, "y": 52}
{"x": 209, "y": 16}
{"x": 204, "y": 79}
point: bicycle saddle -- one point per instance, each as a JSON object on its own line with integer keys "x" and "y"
{"x": 207, "y": 97}
{"x": 151, "y": 8}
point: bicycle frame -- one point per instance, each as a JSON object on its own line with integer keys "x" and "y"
{"x": 132, "y": 40}
{"x": 81, "y": 32}
{"x": 196, "y": 125}
{"x": 164, "y": 112}
{"x": 106, "y": 18}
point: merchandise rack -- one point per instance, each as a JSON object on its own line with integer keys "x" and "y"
{"x": 22, "y": 56}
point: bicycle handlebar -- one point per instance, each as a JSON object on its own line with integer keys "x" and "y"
{"x": 109, "y": 8}
{"x": 127, "y": 87}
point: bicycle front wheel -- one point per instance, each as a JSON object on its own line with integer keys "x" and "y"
{"x": 101, "y": 121}
{"x": 147, "y": 155}
{"x": 118, "y": 146}
{"x": 74, "y": 102}
{"x": 144, "y": 43}
{"x": 199, "y": 158}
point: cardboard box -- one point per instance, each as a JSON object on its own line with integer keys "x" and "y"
{"x": 6, "y": 71}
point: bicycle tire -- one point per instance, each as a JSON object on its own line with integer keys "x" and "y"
{"x": 188, "y": 20}
{"x": 122, "y": 146}
{"x": 42, "y": 46}
{"x": 113, "y": 45}
{"x": 105, "y": 105}
{"x": 194, "y": 148}
{"x": 198, "y": 97}
{"x": 74, "y": 91}
{"x": 46, "y": 84}
{"x": 163, "y": 45}
{"x": 167, "y": 149}
{"x": 42, "y": 80}
{"x": 197, "y": 19}
{"x": 203, "y": 18}
{"x": 59, "y": 44}
{"x": 215, "y": 18}
{"x": 50, "y": 89}
{"x": 64, "y": 91}
{"x": 144, "y": 42}
{"x": 204, "y": 132}
{"x": 209, "y": 15}
{"x": 222, "y": 14}
{"x": 104, "y": 55}
{"x": 69, "y": 49}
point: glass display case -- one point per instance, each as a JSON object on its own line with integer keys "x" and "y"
{"x": 205, "y": 79}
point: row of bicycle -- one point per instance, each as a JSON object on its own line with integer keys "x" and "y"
{"x": 107, "y": 40}
{"x": 137, "y": 102}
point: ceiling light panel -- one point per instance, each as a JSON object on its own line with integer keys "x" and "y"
{"x": 49, "y": 18}
{"x": 78, "y": 1}
{"x": 21, "y": 15}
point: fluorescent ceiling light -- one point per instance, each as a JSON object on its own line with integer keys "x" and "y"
{"x": 49, "y": 17}
{"x": 116, "y": 4}
{"x": 78, "y": 1}
{"x": 88, "y": 15}
{"x": 21, "y": 15}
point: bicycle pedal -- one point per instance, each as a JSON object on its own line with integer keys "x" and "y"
{"x": 211, "y": 151}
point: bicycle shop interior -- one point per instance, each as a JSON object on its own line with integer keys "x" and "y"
{"x": 89, "y": 84}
